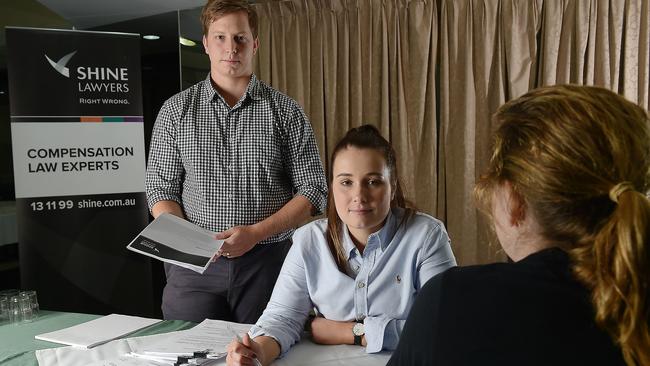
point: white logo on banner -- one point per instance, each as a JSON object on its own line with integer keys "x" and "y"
{"x": 95, "y": 79}
{"x": 60, "y": 65}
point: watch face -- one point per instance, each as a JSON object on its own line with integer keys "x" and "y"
{"x": 358, "y": 329}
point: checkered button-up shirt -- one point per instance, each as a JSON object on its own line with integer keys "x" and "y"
{"x": 233, "y": 166}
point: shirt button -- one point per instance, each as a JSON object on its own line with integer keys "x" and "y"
{"x": 361, "y": 285}
{"x": 356, "y": 268}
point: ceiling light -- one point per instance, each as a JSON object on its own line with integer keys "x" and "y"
{"x": 151, "y": 37}
{"x": 186, "y": 42}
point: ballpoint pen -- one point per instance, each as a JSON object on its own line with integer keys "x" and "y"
{"x": 240, "y": 340}
{"x": 197, "y": 358}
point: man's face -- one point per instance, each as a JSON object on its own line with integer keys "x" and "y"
{"x": 230, "y": 46}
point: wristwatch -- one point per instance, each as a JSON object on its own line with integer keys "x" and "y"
{"x": 358, "y": 330}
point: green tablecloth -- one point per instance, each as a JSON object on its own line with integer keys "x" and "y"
{"x": 17, "y": 343}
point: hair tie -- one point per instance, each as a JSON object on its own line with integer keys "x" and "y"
{"x": 619, "y": 189}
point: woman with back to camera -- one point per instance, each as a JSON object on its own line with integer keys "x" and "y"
{"x": 565, "y": 188}
{"x": 360, "y": 268}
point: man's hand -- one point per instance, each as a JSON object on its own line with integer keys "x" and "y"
{"x": 238, "y": 240}
{"x": 325, "y": 331}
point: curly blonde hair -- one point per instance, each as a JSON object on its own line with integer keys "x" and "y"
{"x": 564, "y": 149}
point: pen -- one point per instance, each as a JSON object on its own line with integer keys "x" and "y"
{"x": 197, "y": 358}
{"x": 255, "y": 360}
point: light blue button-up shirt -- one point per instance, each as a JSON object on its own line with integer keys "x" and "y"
{"x": 380, "y": 287}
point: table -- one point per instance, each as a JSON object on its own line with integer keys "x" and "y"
{"x": 18, "y": 346}
{"x": 17, "y": 343}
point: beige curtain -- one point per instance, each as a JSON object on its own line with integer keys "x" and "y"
{"x": 430, "y": 73}
{"x": 604, "y": 43}
{"x": 488, "y": 57}
{"x": 360, "y": 61}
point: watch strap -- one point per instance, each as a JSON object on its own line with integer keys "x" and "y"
{"x": 357, "y": 340}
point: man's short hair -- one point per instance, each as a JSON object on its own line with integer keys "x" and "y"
{"x": 215, "y": 9}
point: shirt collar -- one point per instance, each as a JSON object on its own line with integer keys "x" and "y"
{"x": 384, "y": 235}
{"x": 253, "y": 90}
{"x": 348, "y": 244}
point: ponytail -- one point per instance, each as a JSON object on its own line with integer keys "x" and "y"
{"x": 616, "y": 267}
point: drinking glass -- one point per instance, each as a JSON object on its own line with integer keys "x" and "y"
{"x": 25, "y": 302}
{"x": 15, "y": 312}
{"x": 4, "y": 309}
{"x": 33, "y": 300}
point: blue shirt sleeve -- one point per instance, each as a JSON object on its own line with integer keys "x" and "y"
{"x": 382, "y": 333}
{"x": 436, "y": 256}
{"x": 285, "y": 315}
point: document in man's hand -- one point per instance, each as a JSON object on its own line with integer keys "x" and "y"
{"x": 98, "y": 331}
{"x": 172, "y": 239}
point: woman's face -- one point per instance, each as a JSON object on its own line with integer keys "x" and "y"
{"x": 362, "y": 190}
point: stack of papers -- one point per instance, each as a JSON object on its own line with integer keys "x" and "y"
{"x": 174, "y": 240}
{"x": 98, "y": 331}
{"x": 210, "y": 336}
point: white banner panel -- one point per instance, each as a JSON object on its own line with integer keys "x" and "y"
{"x": 78, "y": 158}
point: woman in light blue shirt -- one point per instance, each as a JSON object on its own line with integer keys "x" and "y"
{"x": 360, "y": 269}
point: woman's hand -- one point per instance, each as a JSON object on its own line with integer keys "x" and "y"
{"x": 243, "y": 353}
{"x": 325, "y": 331}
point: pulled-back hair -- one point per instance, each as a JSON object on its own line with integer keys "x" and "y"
{"x": 215, "y": 9}
{"x": 579, "y": 159}
{"x": 363, "y": 137}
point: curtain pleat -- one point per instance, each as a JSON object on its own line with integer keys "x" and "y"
{"x": 430, "y": 73}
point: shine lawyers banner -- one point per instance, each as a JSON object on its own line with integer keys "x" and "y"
{"x": 78, "y": 156}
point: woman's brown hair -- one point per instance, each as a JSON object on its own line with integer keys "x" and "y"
{"x": 579, "y": 158}
{"x": 363, "y": 137}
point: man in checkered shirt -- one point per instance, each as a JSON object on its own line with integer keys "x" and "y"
{"x": 237, "y": 157}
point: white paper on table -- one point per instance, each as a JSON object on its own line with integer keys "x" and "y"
{"x": 172, "y": 239}
{"x": 98, "y": 331}
{"x": 210, "y": 335}
{"x": 111, "y": 351}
